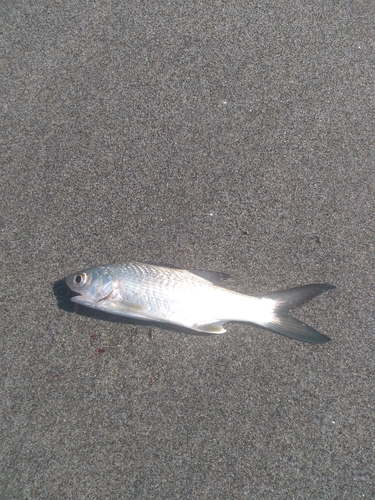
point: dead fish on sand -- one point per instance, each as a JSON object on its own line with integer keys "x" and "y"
{"x": 192, "y": 299}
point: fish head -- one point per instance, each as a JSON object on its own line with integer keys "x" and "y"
{"x": 93, "y": 285}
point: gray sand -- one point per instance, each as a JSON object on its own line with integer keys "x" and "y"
{"x": 231, "y": 136}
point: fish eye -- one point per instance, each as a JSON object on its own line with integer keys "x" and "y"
{"x": 79, "y": 279}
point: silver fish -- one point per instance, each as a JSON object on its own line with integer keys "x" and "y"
{"x": 192, "y": 299}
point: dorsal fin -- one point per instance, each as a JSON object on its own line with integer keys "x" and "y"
{"x": 213, "y": 276}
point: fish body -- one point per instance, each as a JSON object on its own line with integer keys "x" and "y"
{"x": 192, "y": 299}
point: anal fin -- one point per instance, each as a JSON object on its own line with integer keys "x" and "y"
{"x": 214, "y": 328}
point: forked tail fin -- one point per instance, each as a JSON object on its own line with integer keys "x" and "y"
{"x": 285, "y": 324}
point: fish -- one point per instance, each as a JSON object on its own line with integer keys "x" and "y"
{"x": 192, "y": 299}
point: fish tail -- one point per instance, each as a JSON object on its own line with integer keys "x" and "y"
{"x": 284, "y": 323}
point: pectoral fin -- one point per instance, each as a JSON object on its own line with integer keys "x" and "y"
{"x": 124, "y": 308}
{"x": 132, "y": 307}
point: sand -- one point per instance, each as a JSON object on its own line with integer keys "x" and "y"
{"x": 231, "y": 136}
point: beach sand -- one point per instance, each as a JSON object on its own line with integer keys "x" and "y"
{"x": 235, "y": 137}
